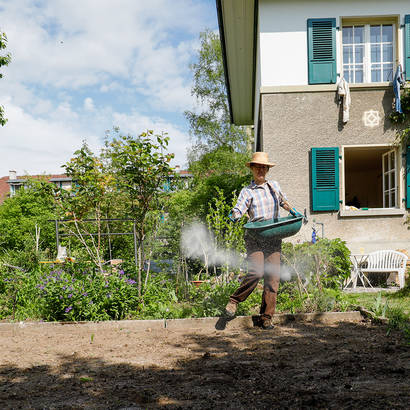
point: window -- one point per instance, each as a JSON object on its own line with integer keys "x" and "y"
{"x": 370, "y": 177}
{"x": 368, "y": 52}
{"x": 14, "y": 188}
{"x": 389, "y": 180}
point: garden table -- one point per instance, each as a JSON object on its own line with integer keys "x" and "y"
{"x": 358, "y": 262}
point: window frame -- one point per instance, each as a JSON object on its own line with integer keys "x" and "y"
{"x": 389, "y": 190}
{"x": 367, "y": 22}
{"x": 397, "y": 210}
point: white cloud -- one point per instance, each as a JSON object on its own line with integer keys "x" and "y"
{"x": 89, "y": 104}
{"x": 131, "y": 56}
{"x": 75, "y": 44}
{"x": 136, "y": 123}
{"x": 36, "y": 145}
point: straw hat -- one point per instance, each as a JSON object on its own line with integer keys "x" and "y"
{"x": 260, "y": 158}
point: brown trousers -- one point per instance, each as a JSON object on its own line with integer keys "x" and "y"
{"x": 263, "y": 262}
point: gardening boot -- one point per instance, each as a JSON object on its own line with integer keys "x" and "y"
{"x": 267, "y": 324}
{"x": 230, "y": 309}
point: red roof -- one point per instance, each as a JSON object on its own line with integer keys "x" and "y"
{"x": 4, "y": 188}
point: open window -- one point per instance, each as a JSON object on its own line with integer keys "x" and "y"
{"x": 370, "y": 177}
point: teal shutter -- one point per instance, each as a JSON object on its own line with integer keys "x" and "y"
{"x": 407, "y": 45}
{"x": 325, "y": 179}
{"x": 322, "y": 51}
{"x": 408, "y": 177}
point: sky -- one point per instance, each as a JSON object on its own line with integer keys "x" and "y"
{"x": 80, "y": 68}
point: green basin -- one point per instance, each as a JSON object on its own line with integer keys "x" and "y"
{"x": 275, "y": 228}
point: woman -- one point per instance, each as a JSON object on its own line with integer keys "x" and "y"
{"x": 260, "y": 201}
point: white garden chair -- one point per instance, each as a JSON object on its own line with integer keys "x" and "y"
{"x": 386, "y": 261}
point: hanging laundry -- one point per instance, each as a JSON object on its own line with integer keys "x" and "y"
{"x": 344, "y": 93}
{"x": 397, "y": 81}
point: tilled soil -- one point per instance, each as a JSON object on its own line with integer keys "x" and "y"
{"x": 297, "y": 365}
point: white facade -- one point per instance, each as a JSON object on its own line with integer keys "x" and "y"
{"x": 283, "y": 33}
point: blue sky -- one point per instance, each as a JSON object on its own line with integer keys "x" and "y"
{"x": 81, "y": 67}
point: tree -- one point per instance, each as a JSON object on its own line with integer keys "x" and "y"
{"x": 140, "y": 168}
{"x": 4, "y": 60}
{"x": 88, "y": 198}
{"x": 402, "y": 120}
{"x": 220, "y": 148}
{"x": 212, "y": 128}
{"x": 24, "y": 221}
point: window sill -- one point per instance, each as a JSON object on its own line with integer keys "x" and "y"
{"x": 282, "y": 89}
{"x": 372, "y": 212}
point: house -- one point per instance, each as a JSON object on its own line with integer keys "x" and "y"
{"x": 180, "y": 179}
{"x": 283, "y": 60}
{"x": 9, "y": 185}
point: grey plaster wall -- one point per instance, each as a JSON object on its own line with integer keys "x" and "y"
{"x": 292, "y": 123}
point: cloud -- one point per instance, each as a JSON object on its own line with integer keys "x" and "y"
{"x": 71, "y": 44}
{"x": 47, "y": 145}
{"x": 79, "y": 68}
{"x": 89, "y": 104}
{"x": 137, "y": 123}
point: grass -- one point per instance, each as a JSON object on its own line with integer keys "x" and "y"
{"x": 400, "y": 299}
{"x": 394, "y": 306}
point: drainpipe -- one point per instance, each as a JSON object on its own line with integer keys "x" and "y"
{"x": 323, "y": 227}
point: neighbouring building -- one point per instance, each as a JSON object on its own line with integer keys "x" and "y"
{"x": 283, "y": 60}
{"x": 9, "y": 185}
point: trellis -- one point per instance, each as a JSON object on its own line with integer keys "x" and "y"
{"x": 58, "y": 222}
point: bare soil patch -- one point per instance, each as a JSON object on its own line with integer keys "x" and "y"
{"x": 296, "y": 365}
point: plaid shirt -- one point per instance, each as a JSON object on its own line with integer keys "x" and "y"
{"x": 261, "y": 202}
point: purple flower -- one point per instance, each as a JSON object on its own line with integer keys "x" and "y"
{"x": 108, "y": 295}
{"x": 85, "y": 294}
{"x": 131, "y": 282}
{"x": 91, "y": 302}
{"x": 121, "y": 272}
{"x": 68, "y": 309}
{"x": 60, "y": 297}
{"x": 70, "y": 296}
{"x": 64, "y": 287}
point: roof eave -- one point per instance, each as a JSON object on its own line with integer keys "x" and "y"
{"x": 237, "y": 20}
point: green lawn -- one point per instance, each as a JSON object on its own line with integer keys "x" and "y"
{"x": 400, "y": 299}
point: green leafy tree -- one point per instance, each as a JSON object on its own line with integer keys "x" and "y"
{"x": 89, "y": 198}
{"x": 228, "y": 234}
{"x": 207, "y": 189}
{"x": 403, "y": 126}
{"x": 220, "y": 150}
{"x": 4, "y": 60}
{"x": 211, "y": 127}
{"x": 141, "y": 167}
{"x": 25, "y": 229}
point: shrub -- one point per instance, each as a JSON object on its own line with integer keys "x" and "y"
{"x": 74, "y": 295}
{"x": 18, "y": 294}
{"x": 211, "y": 299}
{"x": 327, "y": 261}
{"x": 162, "y": 300}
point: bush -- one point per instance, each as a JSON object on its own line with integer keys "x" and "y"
{"x": 75, "y": 295}
{"x": 162, "y": 300}
{"x": 18, "y": 295}
{"x": 327, "y": 261}
{"x": 211, "y": 299}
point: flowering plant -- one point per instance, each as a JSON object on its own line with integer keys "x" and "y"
{"x": 85, "y": 295}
